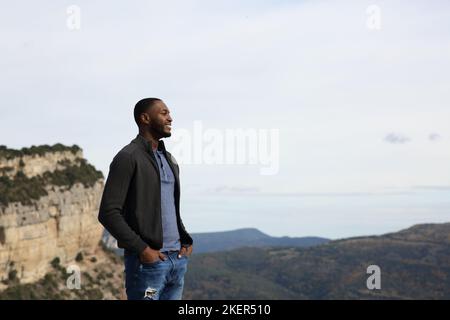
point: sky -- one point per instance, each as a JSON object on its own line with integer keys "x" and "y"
{"x": 352, "y": 96}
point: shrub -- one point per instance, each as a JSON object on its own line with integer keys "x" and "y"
{"x": 79, "y": 257}
{"x": 12, "y": 275}
{"x": 56, "y": 263}
{"x": 26, "y": 190}
{"x": 36, "y": 150}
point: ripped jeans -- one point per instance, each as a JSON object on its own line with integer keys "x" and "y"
{"x": 159, "y": 280}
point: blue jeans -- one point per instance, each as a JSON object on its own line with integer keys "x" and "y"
{"x": 159, "y": 280}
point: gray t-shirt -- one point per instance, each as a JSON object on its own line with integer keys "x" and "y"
{"x": 171, "y": 236}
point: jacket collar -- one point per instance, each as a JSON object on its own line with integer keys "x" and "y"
{"x": 147, "y": 146}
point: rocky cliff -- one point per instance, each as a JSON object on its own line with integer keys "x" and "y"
{"x": 49, "y": 198}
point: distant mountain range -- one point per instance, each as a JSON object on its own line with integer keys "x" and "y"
{"x": 414, "y": 264}
{"x": 248, "y": 237}
{"x": 229, "y": 240}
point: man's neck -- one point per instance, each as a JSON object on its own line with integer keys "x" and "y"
{"x": 150, "y": 138}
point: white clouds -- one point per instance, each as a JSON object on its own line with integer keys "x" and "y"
{"x": 434, "y": 137}
{"x": 310, "y": 68}
{"x": 396, "y": 138}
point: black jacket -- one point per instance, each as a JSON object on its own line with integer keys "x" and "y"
{"x": 130, "y": 208}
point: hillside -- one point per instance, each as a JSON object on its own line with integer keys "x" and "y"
{"x": 101, "y": 277}
{"x": 251, "y": 237}
{"x": 415, "y": 264}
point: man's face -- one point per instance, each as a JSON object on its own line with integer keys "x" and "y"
{"x": 160, "y": 123}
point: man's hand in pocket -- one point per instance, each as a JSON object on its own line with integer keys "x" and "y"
{"x": 185, "y": 251}
{"x": 150, "y": 255}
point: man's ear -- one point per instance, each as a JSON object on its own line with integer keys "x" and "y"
{"x": 145, "y": 118}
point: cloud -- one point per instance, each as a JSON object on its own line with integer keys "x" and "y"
{"x": 233, "y": 65}
{"x": 434, "y": 137}
{"x": 396, "y": 138}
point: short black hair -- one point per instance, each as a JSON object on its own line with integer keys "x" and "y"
{"x": 142, "y": 106}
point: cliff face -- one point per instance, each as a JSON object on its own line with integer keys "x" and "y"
{"x": 34, "y": 165}
{"x": 49, "y": 199}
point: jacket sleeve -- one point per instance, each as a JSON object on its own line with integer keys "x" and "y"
{"x": 113, "y": 198}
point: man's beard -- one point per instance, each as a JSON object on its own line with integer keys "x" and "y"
{"x": 160, "y": 131}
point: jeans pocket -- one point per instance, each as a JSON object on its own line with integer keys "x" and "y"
{"x": 150, "y": 264}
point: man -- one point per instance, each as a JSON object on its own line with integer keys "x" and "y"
{"x": 140, "y": 207}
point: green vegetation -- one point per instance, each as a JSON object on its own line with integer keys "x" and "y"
{"x": 53, "y": 287}
{"x": 79, "y": 257}
{"x": 24, "y": 190}
{"x": 84, "y": 173}
{"x": 21, "y": 189}
{"x": 56, "y": 263}
{"x": 36, "y": 150}
{"x": 414, "y": 263}
{"x": 12, "y": 275}
{"x": 99, "y": 281}
{"x": 2, "y": 235}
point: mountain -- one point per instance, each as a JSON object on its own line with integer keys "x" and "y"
{"x": 414, "y": 264}
{"x": 247, "y": 237}
{"x": 229, "y": 240}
